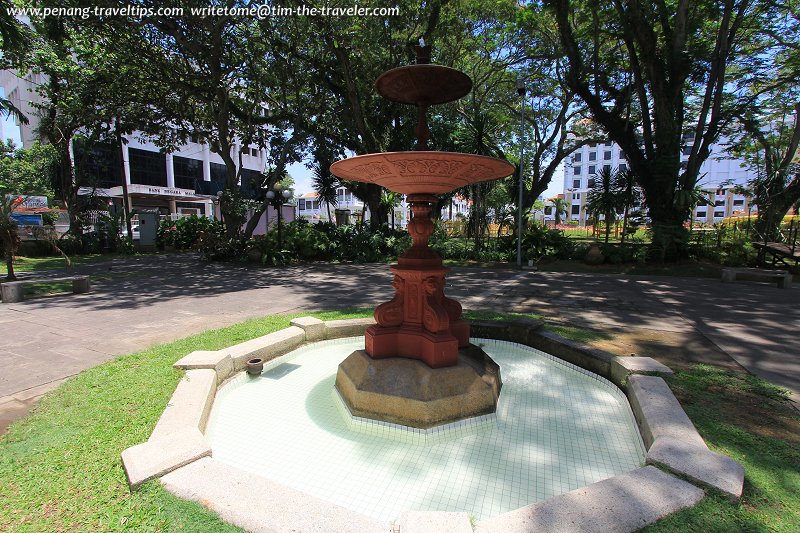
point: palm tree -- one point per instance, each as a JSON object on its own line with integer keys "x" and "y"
{"x": 691, "y": 198}
{"x": 603, "y": 198}
{"x": 628, "y": 196}
{"x": 9, "y": 238}
{"x": 390, "y": 200}
{"x": 325, "y": 183}
{"x": 560, "y": 205}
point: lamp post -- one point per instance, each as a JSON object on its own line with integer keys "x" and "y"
{"x": 521, "y": 92}
{"x": 276, "y": 197}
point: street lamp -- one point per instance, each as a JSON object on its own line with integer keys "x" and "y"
{"x": 521, "y": 92}
{"x": 276, "y": 196}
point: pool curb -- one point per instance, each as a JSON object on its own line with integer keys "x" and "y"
{"x": 626, "y": 502}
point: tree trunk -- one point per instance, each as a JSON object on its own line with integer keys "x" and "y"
{"x": 10, "y": 276}
{"x": 608, "y": 226}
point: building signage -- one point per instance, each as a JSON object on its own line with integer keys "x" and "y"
{"x": 30, "y": 202}
{"x": 136, "y": 188}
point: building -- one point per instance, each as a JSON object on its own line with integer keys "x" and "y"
{"x": 311, "y": 208}
{"x": 179, "y": 183}
{"x": 720, "y": 174}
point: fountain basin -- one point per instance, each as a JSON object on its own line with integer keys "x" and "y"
{"x": 625, "y": 502}
{"x": 422, "y": 172}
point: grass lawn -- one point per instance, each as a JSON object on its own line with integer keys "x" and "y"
{"x": 60, "y": 468}
{"x": 28, "y": 264}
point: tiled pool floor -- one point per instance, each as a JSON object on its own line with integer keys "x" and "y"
{"x": 557, "y": 428}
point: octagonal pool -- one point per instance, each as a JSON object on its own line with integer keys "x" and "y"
{"x": 557, "y": 428}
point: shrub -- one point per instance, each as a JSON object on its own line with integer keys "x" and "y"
{"x": 183, "y": 234}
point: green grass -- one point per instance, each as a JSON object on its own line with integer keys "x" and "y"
{"x": 47, "y": 287}
{"x": 771, "y": 497}
{"x": 29, "y": 264}
{"x": 60, "y": 468}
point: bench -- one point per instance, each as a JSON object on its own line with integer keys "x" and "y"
{"x": 13, "y": 291}
{"x": 783, "y": 278}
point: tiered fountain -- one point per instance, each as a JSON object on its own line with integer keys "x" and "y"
{"x": 419, "y": 368}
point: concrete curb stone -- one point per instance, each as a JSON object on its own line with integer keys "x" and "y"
{"x": 623, "y": 503}
{"x": 219, "y": 360}
{"x": 351, "y": 327}
{"x": 658, "y": 412}
{"x": 190, "y": 404}
{"x": 314, "y": 327}
{"x": 160, "y": 456}
{"x": 699, "y": 464}
{"x": 267, "y": 347}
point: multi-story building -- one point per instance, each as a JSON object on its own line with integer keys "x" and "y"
{"x": 182, "y": 182}
{"x": 719, "y": 176}
{"x": 311, "y": 208}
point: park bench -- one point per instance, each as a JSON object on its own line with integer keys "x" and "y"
{"x": 13, "y": 291}
{"x": 783, "y": 278}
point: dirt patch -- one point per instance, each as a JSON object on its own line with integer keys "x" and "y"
{"x": 753, "y": 412}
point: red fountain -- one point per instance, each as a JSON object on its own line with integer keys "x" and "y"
{"x": 420, "y": 322}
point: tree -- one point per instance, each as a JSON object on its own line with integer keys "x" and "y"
{"x": 9, "y": 238}
{"x": 27, "y": 171}
{"x": 603, "y": 199}
{"x": 560, "y": 206}
{"x": 691, "y": 198}
{"x": 229, "y": 89}
{"x": 14, "y": 44}
{"x": 325, "y": 183}
{"x": 650, "y": 72}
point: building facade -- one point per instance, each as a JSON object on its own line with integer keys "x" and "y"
{"x": 720, "y": 174}
{"x": 179, "y": 183}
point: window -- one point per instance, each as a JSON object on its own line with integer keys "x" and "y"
{"x": 622, "y": 155}
{"x": 98, "y": 166}
{"x": 254, "y": 152}
{"x": 687, "y": 150}
{"x": 576, "y": 171}
{"x": 607, "y": 156}
{"x": 548, "y": 210}
{"x": 218, "y": 173}
{"x": 738, "y": 202}
{"x": 301, "y": 205}
{"x": 187, "y": 171}
{"x": 591, "y": 183}
{"x": 592, "y": 156}
{"x": 623, "y": 167}
{"x": 607, "y": 168}
{"x": 576, "y": 209}
{"x": 719, "y": 214}
{"x": 577, "y": 157}
{"x": 592, "y": 145}
{"x": 148, "y": 168}
{"x": 719, "y": 203}
{"x": 720, "y": 192}
{"x": 576, "y": 184}
{"x": 701, "y": 214}
{"x": 592, "y": 169}
{"x": 576, "y": 196}
{"x": 689, "y": 136}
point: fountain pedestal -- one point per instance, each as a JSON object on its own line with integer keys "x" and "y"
{"x": 420, "y": 322}
{"x": 419, "y": 368}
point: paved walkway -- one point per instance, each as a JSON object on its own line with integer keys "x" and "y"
{"x": 142, "y": 301}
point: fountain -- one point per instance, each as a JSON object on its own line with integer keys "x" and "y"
{"x": 419, "y": 368}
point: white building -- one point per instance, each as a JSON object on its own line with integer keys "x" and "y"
{"x": 311, "y": 208}
{"x": 182, "y": 182}
{"x": 719, "y": 175}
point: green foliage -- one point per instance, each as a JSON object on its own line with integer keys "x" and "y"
{"x": 27, "y": 171}
{"x": 183, "y": 234}
{"x": 303, "y": 241}
{"x": 540, "y": 241}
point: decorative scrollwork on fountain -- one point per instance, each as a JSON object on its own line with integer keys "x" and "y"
{"x": 434, "y": 316}
{"x": 391, "y": 313}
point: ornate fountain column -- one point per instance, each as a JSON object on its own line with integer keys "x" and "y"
{"x": 419, "y": 368}
{"x": 420, "y": 322}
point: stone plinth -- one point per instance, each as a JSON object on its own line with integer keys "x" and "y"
{"x": 408, "y": 392}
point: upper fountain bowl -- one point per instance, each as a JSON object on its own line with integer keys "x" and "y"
{"x": 423, "y": 84}
{"x": 422, "y": 172}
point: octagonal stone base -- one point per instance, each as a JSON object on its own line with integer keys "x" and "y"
{"x": 410, "y": 393}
